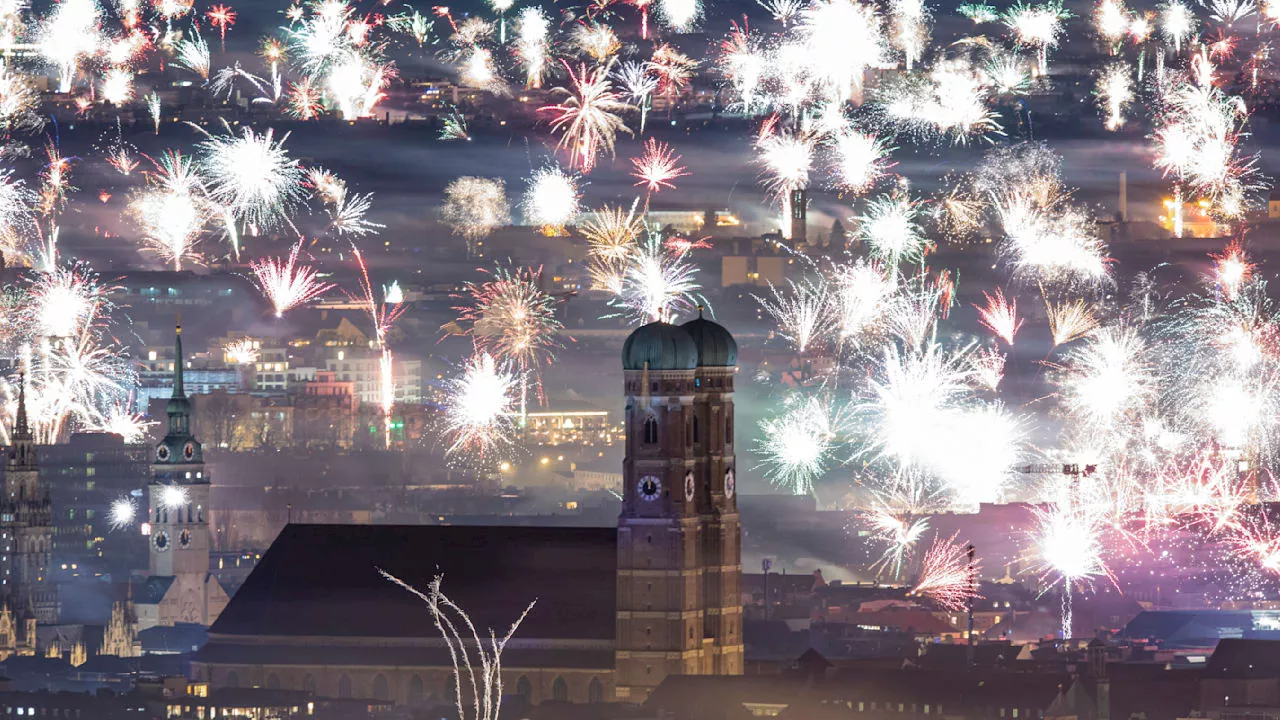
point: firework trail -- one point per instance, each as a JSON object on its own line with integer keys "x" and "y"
{"x": 474, "y": 663}
{"x": 285, "y": 283}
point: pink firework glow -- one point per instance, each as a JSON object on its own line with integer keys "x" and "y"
{"x": 287, "y": 284}
{"x": 657, "y": 167}
{"x": 1000, "y": 316}
{"x": 948, "y": 574}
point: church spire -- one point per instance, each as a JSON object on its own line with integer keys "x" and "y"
{"x": 21, "y": 429}
{"x": 178, "y": 391}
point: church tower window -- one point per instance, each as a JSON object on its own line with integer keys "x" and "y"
{"x": 695, "y": 429}
{"x": 595, "y": 691}
{"x": 524, "y": 689}
{"x": 650, "y": 431}
{"x": 344, "y": 686}
{"x": 560, "y": 690}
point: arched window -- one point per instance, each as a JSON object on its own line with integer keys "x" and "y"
{"x": 309, "y": 684}
{"x": 524, "y": 689}
{"x": 381, "y": 691}
{"x": 273, "y": 682}
{"x": 650, "y": 431}
{"x": 416, "y": 691}
{"x": 560, "y": 690}
{"x": 344, "y": 686}
{"x": 728, "y": 429}
{"x": 233, "y": 679}
{"x": 695, "y": 429}
{"x": 595, "y": 691}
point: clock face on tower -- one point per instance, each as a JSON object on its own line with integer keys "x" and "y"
{"x": 188, "y": 450}
{"x": 688, "y": 486}
{"x": 730, "y": 483}
{"x": 649, "y": 487}
{"x": 161, "y": 541}
{"x": 162, "y": 453}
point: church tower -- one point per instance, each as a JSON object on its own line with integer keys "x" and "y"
{"x": 26, "y": 530}
{"x": 178, "y": 496}
{"x": 679, "y": 562}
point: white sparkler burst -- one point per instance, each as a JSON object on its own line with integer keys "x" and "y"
{"x": 1037, "y": 26}
{"x": 174, "y": 497}
{"x": 890, "y": 228}
{"x": 117, "y": 86}
{"x": 797, "y": 444}
{"x": 863, "y": 292}
{"x": 803, "y": 312}
{"x": 533, "y": 44}
{"x": 68, "y": 35}
{"x": 253, "y": 176}
{"x": 63, "y": 302}
{"x": 481, "y": 410}
{"x": 680, "y": 15}
{"x": 1112, "y": 20}
{"x": 1046, "y": 237}
{"x": 192, "y": 53}
{"x": 950, "y": 102}
{"x": 785, "y": 156}
{"x": 909, "y": 29}
{"x": 859, "y": 159}
{"x": 658, "y": 283}
{"x": 1108, "y": 380}
{"x": 897, "y": 521}
{"x": 1177, "y": 23}
{"x": 1115, "y": 92}
{"x": 173, "y": 210}
{"x": 840, "y": 39}
{"x": 551, "y": 199}
{"x": 123, "y": 512}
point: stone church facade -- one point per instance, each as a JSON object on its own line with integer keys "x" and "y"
{"x": 615, "y": 609}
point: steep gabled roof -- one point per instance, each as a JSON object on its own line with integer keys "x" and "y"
{"x": 323, "y": 580}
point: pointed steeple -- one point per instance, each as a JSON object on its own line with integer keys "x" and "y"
{"x": 178, "y": 390}
{"x": 21, "y": 429}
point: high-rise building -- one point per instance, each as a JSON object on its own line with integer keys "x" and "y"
{"x": 26, "y": 530}
{"x": 180, "y": 588}
{"x": 679, "y": 556}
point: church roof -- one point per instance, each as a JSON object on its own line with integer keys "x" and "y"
{"x": 659, "y": 346}
{"x": 324, "y": 580}
{"x": 716, "y": 346}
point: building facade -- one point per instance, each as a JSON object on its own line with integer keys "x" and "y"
{"x": 26, "y": 530}
{"x": 679, "y": 554}
{"x": 179, "y": 588}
